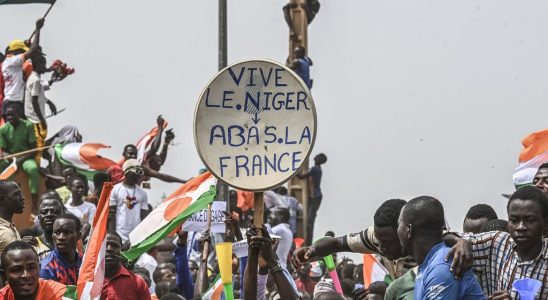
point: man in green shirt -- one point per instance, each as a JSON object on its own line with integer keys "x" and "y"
{"x": 17, "y": 135}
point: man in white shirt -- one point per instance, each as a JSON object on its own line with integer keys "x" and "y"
{"x": 128, "y": 201}
{"x": 12, "y": 69}
{"x": 35, "y": 102}
{"x": 76, "y": 204}
{"x": 278, "y": 219}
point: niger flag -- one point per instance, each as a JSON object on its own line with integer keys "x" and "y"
{"x": 534, "y": 154}
{"x": 92, "y": 271}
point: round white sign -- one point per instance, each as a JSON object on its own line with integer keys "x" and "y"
{"x": 255, "y": 124}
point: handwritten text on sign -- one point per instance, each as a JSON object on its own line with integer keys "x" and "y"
{"x": 255, "y": 124}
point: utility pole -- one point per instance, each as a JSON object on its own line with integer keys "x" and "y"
{"x": 222, "y": 188}
{"x": 298, "y": 14}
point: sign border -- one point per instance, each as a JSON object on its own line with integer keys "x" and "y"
{"x": 314, "y": 113}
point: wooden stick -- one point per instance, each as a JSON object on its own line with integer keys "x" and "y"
{"x": 259, "y": 209}
{"x": 25, "y": 152}
{"x": 45, "y": 15}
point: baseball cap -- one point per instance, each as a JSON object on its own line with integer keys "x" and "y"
{"x": 17, "y": 45}
{"x": 132, "y": 165}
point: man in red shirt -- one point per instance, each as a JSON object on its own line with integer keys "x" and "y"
{"x": 119, "y": 282}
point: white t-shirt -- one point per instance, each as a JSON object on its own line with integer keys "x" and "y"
{"x": 285, "y": 242}
{"x": 35, "y": 88}
{"x": 129, "y": 202}
{"x": 148, "y": 262}
{"x": 14, "y": 85}
{"x": 85, "y": 211}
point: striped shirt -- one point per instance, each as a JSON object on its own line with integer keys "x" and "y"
{"x": 366, "y": 242}
{"x": 498, "y": 265}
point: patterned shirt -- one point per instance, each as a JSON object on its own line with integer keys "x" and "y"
{"x": 54, "y": 267}
{"x": 498, "y": 265}
{"x": 366, "y": 242}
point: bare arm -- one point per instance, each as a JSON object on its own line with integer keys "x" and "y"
{"x": 167, "y": 140}
{"x": 36, "y": 41}
{"x": 163, "y": 177}
{"x": 39, "y": 113}
{"x": 319, "y": 249}
{"x": 158, "y": 138}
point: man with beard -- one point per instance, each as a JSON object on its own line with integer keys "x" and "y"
{"x": 119, "y": 282}
{"x": 21, "y": 268}
{"x": 11, "y": 202}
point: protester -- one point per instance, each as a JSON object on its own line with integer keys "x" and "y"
{"x": 128, "y": 201}
{"x": 21, "y": 271}
{"x": 314, "y": 176}
{"x": 523, "y": 249}
{"x": 420, "y": 229}
{"x": 17, "y": 54}
{"x": 495, "y": 225}
{"x": 301, "y": 65}
{"x": 119, "y": 282}
{"x": 541, "y": 178}
{"x": 63, "y": 263}
{"x": 11, "y": 202}
{"x": 478, "y": 215}
{"x": 295, "y": 208}
{"x": 16, "y": 136}
{"x": 76, "y": 205}
{"x": 279, "y": 219}
{"x": 50, "y": 209}
{"x": 35, "y": 102}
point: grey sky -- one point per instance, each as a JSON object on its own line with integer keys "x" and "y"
{"x": 413, "y": 97}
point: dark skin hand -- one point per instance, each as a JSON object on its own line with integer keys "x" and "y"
{"x": 461, "y": 252}
{"x": 264, "y": 243}
{"x": 202, "y": 281}
{"x": 232, "y": 229}
{"x": 500, "y": 295}
{"x": 250, "y": 273}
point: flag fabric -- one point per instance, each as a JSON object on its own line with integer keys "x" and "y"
{"x": 9, "y": 171}
{"x": 26, "y": 1}
{"x": 373, "y": 270}
{"x": 534, "y": 154}
{"x": 84, "y": 157}
{"x": 191, "y": 197}
{"x": 92, "y": 270}
{"x": 214, "y": 292}
{"x": 70, "y": 293}
{"x": 145, "y": 142}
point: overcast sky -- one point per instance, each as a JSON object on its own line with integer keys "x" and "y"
{"x": 413, "y": 97}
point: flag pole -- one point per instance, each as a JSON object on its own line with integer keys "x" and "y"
{"x": 25, "y": 152}
{"x": 45, "y": 15}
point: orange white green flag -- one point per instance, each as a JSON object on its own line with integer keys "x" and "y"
{"x": 84, "y": 157}
{"x": 9, "y": 171}
{"x": 92, "y": 270}
{"x": 373, "y": 270}
{"x": 533, "y": 154}
{"x": 215, "y": 291}
{"x": 191, "y": 197}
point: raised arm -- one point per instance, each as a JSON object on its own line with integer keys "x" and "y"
{"x": 155, "y": 146}
{"x": 35, "y": 44}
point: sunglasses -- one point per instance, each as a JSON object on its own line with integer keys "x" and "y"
{"x": 136, "y": 170}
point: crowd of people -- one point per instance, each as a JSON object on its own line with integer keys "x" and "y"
{"x": 422, "y": 258}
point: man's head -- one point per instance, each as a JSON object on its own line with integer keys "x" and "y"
{"x": 278, "y": 215}
{"x": 11, "y": 197}
{"x": 66, "y": 233}
{"x": 320, "y": 159}
{"x": 78, "y": 186}
{"x": 164, "y": 273}
{"x": 377, "y": 290}
{"x": 68, "y": 172}
{"x": 49, "y": 210}
{"x": 527, "y": 216}
{"x": 11, "y": 114}
{"x": 130, "y": 152}
{"x": 477, "y": 216}
{"x": 166, "y": 286}
{"x": 21, "y": 269}
{"x": 113, "y": 250}
{"x": 299, "y": 52}
{"x": 495, "y": 225}
{"x": 386, "y": 228}
{"x": 16, "y": 47}
{"x": 541, "y": 178}
{"x": 132, "y": 171}
{"x": 39, "y": 63}
{"x": 420, "y": 218}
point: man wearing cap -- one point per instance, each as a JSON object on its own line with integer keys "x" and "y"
{"x": 128, "y": 201}
{"x": 12, "y": 69}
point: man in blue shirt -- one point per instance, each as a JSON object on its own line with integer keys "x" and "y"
{"x": 301, "y": 65}
{"x": 420, "y": 229}
{"x": 314, "y": 176}
{"x": 63, "y": 263}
